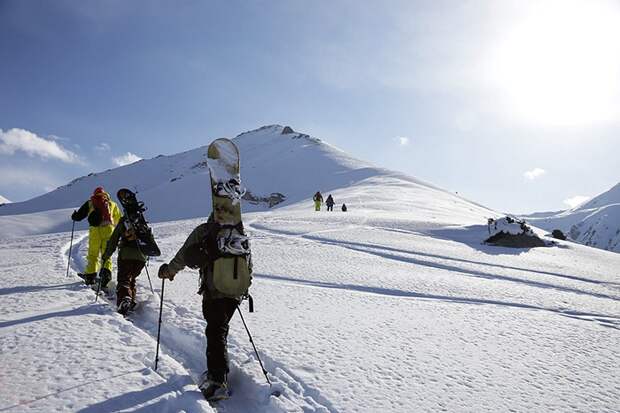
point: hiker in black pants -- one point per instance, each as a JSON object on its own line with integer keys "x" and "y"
{"x": 217, "y": 307}
{"x": 330, "y": 203}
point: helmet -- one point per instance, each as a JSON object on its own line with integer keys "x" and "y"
{"x": 98, "y": 190}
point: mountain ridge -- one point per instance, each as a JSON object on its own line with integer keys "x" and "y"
{"x": 595, "y": 223}
{"x": 279, "y": 167}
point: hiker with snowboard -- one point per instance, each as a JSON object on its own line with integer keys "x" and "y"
{"x": 330, "y": 203}
{"x": 318, "y": 200}
{"x": 200, "y": 251}
{"x": 103, "y": 214}
{"x": 131, "y": 261}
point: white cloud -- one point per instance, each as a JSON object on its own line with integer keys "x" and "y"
{"x": 58, "y": 138}
{"x": 402, "y": 140}
{"x": 20, "y": 140}
{"x": 12, "y": 177}
{"x": 102, "y": 147}
{"x": 576, "y": 200}
{"x": 126, "y": 159}
{"x": 534, "y": 173}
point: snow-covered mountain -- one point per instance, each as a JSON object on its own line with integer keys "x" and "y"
{"x": 393, "y": 306}
{"x": 279, "y": 166}
{"x": 595, "y": 223}
{"x": 3, "y": 200}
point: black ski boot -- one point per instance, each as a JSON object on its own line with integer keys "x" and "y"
{"x": 89, "y": 279}
{"x": 213, "y": 390}
{"x": 125, "y": 306}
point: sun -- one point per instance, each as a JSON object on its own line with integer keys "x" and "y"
{"x": 561, "y": 64}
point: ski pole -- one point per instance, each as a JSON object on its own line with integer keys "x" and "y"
{"x": 98, "y": 288}
{"x": 70, "y": 246}
{"x": 252, "y": 341}
{"x": 161, "y": 306}
{"x": 146, "y": 267}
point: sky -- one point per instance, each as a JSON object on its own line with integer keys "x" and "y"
{"x": 512, "y": 104}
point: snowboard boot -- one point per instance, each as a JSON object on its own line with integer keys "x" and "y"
{"x": 89, "y": 279}
{"x": 125, "y": 306}
{"x": 105, "y": 276}
{"x": 213, "y": 390}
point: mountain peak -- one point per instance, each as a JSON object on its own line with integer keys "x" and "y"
{"x": 271, "y": 134}
{"x": 267, "y": 129}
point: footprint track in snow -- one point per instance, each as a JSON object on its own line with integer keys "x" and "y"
{"x": 181, "y": 344}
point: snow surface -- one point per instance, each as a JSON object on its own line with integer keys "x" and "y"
{"x": 394, "y": 306}
{"x": 595, "y": 223}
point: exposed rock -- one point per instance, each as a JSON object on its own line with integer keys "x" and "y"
{"x": 504, "y": 239}
{"x": 272, "y": 200}
{"x": 512, "y": 232}
{"x": 200, "y": 165}
{"x": 557, "y": 234}
{"x": 287, "y": 130}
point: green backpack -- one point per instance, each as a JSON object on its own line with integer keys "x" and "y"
{"x": 231, "y": 274}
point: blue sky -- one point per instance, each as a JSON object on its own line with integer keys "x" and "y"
{"x": 513, "y": 104}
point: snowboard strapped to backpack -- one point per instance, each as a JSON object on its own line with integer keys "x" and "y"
{"x": 223, "y": 254}
{"x": 135, "y": 222}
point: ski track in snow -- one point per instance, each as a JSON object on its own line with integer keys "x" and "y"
{"x": 612, "y": 321}
{"x": 183, "y": 339}
{"x": 105, "y": 367}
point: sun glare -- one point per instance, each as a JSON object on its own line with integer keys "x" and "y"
{"x": 561, "y": 65}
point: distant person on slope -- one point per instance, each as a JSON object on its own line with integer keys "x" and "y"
{"x": 330, "y": 203}
{"x": 318, "y": 200}
{"x": 130, "y": 263}
{"x": 199, "y": 252}
{"x": 103, "y": 214}
{"x": 344, "y": 208}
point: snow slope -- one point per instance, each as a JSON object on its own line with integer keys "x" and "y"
{"x": 59, "y": 351}
{"x": 595, "y": 223}
{"x": 176, "y": 186}
{"x": 394, "y": 306}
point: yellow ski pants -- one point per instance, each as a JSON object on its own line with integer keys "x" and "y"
{"x": 317, "y": 205}
{"x": 97, "y": 239}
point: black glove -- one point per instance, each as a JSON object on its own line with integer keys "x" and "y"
{"x": 164, "y": 273}
{"x": 105, "y": 276}
{"x": 74, "y": 216}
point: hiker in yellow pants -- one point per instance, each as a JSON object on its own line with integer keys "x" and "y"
{"x": 318, "y": 200}
{"x": 103, "y": 214}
